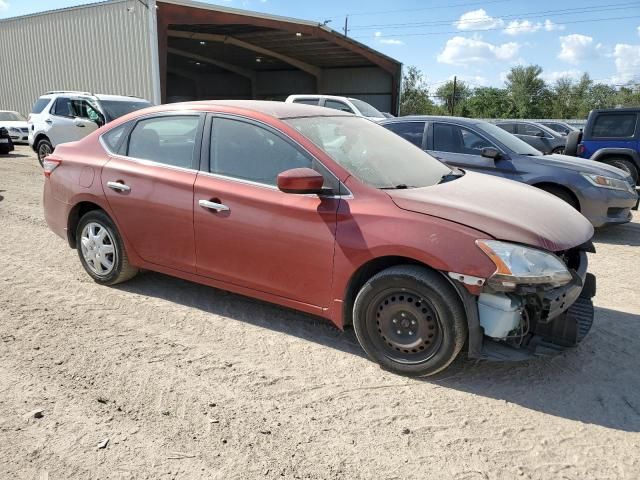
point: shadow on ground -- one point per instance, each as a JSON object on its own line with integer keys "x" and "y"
{"x": 627, "y": 234}
{"x": 597, "y": 383}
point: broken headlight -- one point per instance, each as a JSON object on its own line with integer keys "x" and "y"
{"x": 520, "y": 265}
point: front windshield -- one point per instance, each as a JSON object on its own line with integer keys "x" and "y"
{"x": 371, "y": 153}
{"x": 117, "y": 108}
{"x": 11, "y": 117}
{"x": 366, "y": 109}
{"x": 510, "y": 141}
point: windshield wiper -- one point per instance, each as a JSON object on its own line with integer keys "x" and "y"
{"x": 401, "y": 186}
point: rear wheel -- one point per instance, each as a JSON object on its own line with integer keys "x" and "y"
{"x": 44, "y": 149}
{"x": 624, "y": 164}
{"x": 410, "y": 320}
{"x": 558, "y": 150}
{"x": 101, "y": 249}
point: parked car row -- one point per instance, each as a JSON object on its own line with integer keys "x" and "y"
{"x": 331, "y": 214}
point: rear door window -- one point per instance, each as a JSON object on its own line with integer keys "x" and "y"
{"x": 38, "y": 107}
{"x": 614, "y": 125}
{"x": 530, "y": 130}
{"x": 411, "y": 131}
{"x": 170, "y": 140}
{"x": 307, "y": 101}
{"x": 337, "y": 105}
{"x": 508, "y": 127}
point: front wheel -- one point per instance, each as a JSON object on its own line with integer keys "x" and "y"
{"x": 410, "y": 320}
{"x": 558, "y": 150}
{"x": 101, "y": 249}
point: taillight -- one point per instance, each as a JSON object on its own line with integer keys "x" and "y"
{"x": 580, "y": 149}
{"x": 49, "y": 165}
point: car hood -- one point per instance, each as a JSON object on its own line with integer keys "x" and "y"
{"x": 580, "y": 165}
{"x": 504, "y": 209}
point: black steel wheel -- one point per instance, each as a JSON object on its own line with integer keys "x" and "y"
{"x": 410, "y": 320}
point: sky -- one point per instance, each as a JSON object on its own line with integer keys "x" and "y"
{"x": 477, "y": 41}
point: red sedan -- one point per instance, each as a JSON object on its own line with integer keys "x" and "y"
{"x": 333, "y": 215}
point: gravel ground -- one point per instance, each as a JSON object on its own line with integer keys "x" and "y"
{"x": 185, "y": 381}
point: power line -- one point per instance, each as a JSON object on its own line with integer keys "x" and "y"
{"x": 537, "y": 14}
{"x": 491, "y": 29}
{"x": 449, "y": 6}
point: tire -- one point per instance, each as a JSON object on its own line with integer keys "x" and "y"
{"x": 623, "y": 164}
{"x": 43, "y": 149}
{"x": 558, "y": 150}
{"x": 571, "y": 147}
{"x": 410, "y": 320}
{"x": 105, "y": 260}
{"x": 562, "y": 194}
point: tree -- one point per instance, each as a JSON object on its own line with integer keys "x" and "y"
{"x": 526, "y": 91}
{"x": 445, "y": 94}
{"x": 415, "y": 94}
{"x": 488, "y": 102}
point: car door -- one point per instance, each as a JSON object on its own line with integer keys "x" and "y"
{"x": 61, "y": 122}
{"x": 535, "y": 136}
{"x": 251, "y": 234}
{"x": 148, "y": 183}
{"x": 461, "y": 147}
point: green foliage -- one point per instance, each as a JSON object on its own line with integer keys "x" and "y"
{"x": 415, "y": 95}
{"x": 526, "y": 95}
{"x": 455, "y": 106}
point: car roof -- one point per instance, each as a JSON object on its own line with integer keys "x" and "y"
{"x": 319, "y": 95}
{"x": 468, "y": 121}
{"x": 99, "y": 96}
{"x": 275, "y": 109}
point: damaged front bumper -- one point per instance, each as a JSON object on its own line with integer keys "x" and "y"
{"x": 558, "y": 319}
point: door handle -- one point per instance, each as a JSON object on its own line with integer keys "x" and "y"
{"x": 78, "y": 124}
{"x": 48, "y": 121}
{"x": 218, "y": 207}
{"x": 119, "y": 186}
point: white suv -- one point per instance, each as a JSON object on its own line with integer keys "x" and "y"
{"x": 344, "y": 104}
{"x": 65, "y": 116}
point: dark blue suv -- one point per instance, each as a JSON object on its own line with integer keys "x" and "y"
{"x": 610, "y": 136}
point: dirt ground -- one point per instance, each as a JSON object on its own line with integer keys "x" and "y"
{"x": 189, "y": 382}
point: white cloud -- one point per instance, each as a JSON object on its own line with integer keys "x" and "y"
{"x": 461, "y": 50}
{"x": 575, "y": 48}
{"x": 549, "y": 26}
{"x": 627, "y": 58}
{"x": 522, "y": 26}
{"x": 387, "y": 41}
{"x": 477, "y": 20}
{"x": 4, "y": 5}
{"x": 517, "y": 27}
{"x": 552, "y": 77}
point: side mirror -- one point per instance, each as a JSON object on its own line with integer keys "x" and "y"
{"x": 300, "y": 180}
{"x": 490, "y": 152}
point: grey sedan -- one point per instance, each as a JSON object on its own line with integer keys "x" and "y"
{"x": 538, "y": 136}
{"x": 602, "y": 193}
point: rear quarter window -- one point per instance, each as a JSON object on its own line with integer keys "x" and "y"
{"x": 38, "y": 107}
{"x": 614, "y": 125}
{"x": 307, "y": 101}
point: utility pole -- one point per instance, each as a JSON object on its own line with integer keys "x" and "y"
{"x": 453, "y": 97}
{"x": 346, "y": 26}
